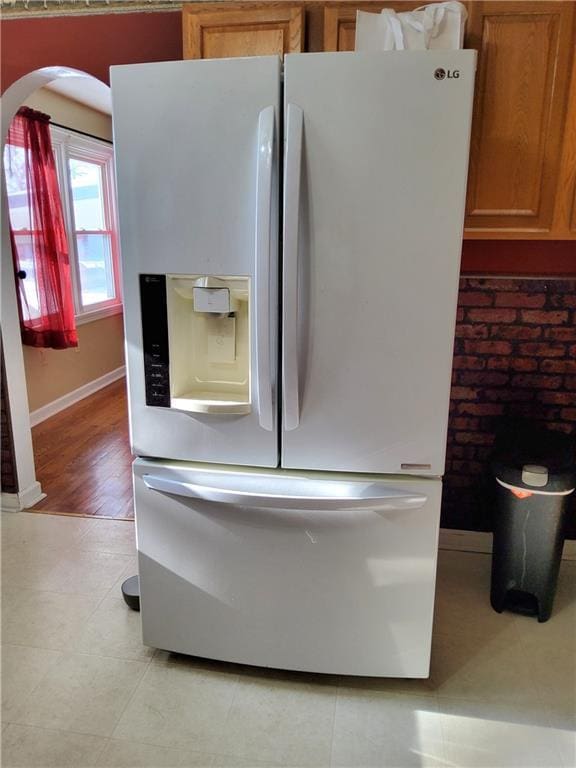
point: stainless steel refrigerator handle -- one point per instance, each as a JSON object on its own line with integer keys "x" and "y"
{"x": 292, "y": 173}
{"x": 264, "y": 167}
{"x": 238, "y": 497}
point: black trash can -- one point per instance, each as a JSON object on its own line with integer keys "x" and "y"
{"x": 535, "y": 472}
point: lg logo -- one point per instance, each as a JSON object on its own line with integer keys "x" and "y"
{"x": 449, "y": 74}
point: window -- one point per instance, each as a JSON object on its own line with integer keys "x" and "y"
{"x": 86, "y": 177}
{"x": 21, "y": 215}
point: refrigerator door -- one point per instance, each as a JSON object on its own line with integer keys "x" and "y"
{"x": 197, "y": 170}
{"x": 304, "y": 571}
{"x": 375, "y": 182}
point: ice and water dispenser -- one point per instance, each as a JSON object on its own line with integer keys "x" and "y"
{"x": 196, "y": 338}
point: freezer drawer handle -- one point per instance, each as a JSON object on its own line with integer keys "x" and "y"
{"x": 264, "y": 167}
{"x": 387, "y": 500}
{"x": 292, "y": 173}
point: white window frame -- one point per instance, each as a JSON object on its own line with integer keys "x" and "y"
{"x": 68, "y": 144}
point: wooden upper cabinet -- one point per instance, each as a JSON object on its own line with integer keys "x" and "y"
{"x": 522, "y": 84}
{"x": 223, "y": 30}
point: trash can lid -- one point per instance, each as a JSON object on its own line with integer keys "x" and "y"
{"x": 529, "y": 456}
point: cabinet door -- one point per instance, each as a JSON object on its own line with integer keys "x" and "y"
{"x": 340, "y": 21}
{"x": 565, "y": 212}
{"x": 522, "y": 84}
{"x": 225, "y": 30}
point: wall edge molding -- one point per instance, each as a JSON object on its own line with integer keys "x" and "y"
{"x": 481, "y": 541}
{"x": 61, "y": 403}
{"x": 35, "y": 9}
{"x": 16, "y": 502}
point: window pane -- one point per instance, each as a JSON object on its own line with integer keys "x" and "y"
{"x": 96, "y": 271}
{"x": 31, "y": 302}
{"x": 17, "y": 187}
{"x": 87, "y": 194}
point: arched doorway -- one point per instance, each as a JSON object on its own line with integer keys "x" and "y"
{"x": 29, "y": 489}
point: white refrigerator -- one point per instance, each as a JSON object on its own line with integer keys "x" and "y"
{"x": 291, "y": 240}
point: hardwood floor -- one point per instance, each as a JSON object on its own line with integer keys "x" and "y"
{"x": 83, "y": 457}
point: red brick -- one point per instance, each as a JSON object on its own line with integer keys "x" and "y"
{"x": 488, "y": 347}
{"x": 516, "y": 332}
{"x": 558, "y": 366}
{"x": 492, "y": 315}
{"x": 557, "y": 398}
{"x": 469, "y": 363}
{"x": 543, "y": 317}
{"x": 569, "y": 414}
{"x": 463, "y": 393}
{"x": 561, "y": 427}
{"x": 572, "y": 351}
{"x": 560, "y": 334}
{"x": 525, "y": 300}
{"x": 482, "y": 378}
{"x": 493, "y": 284}
{"x": 459, "y": 315}
{"x": 543, "y": 349}
{"x": 508, "y": 395}
{"x": 536, "y": 381}
{"x": 480, "y": 409}
{"x": 473, "y": 299}
{"x": 468, "y": 467}
{"x": 523, "y": 364}
{"x": 464, "y": 423}
{"x": 460, "y": 481}
{"x": 570, "y": 382}
{"x": 564, "y": 300}
{"x": 499, "y": 363}
{"x": 471, "y": 332}
{"x": 475, "y": 438}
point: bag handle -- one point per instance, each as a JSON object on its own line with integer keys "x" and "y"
{"x": 389, "y": 16}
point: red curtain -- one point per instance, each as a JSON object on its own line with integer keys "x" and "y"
{"x": 38, "y": 235}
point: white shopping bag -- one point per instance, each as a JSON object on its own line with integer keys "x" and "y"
{"x": 439, "y": 25}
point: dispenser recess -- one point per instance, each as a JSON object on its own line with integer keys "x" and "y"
{"x": 197, "y": 342}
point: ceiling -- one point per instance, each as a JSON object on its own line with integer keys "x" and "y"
{"x": 86, "y": 90}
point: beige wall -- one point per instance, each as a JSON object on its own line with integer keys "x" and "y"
{"x": 52, "y": 373}
{"x": 71, "y": 113}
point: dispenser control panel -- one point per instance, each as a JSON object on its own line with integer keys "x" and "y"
{"x": 155, "y": 340}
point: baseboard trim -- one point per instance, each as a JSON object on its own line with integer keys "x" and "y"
{"x": 16, "y": 502}
{"x": 481, "y": 541}
{"x": 61, "y": 403}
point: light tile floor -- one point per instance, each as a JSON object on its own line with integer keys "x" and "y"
{"x": 79, "y": 688}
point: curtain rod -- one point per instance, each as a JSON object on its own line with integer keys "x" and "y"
{"x": 83, "y": 133}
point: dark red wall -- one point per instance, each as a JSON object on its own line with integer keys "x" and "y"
{"x": 8, "y": 476}
{"x": 90, "y": 43}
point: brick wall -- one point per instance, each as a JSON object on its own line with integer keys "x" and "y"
{"x": 514, "y": 355}
{"x": 8, "y": 479}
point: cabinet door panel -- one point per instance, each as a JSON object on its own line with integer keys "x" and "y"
{"x": 222, "y": 30}
{"x": 524, "y": 57}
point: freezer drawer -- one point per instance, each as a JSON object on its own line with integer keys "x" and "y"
{"x": 304, "y": 571}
